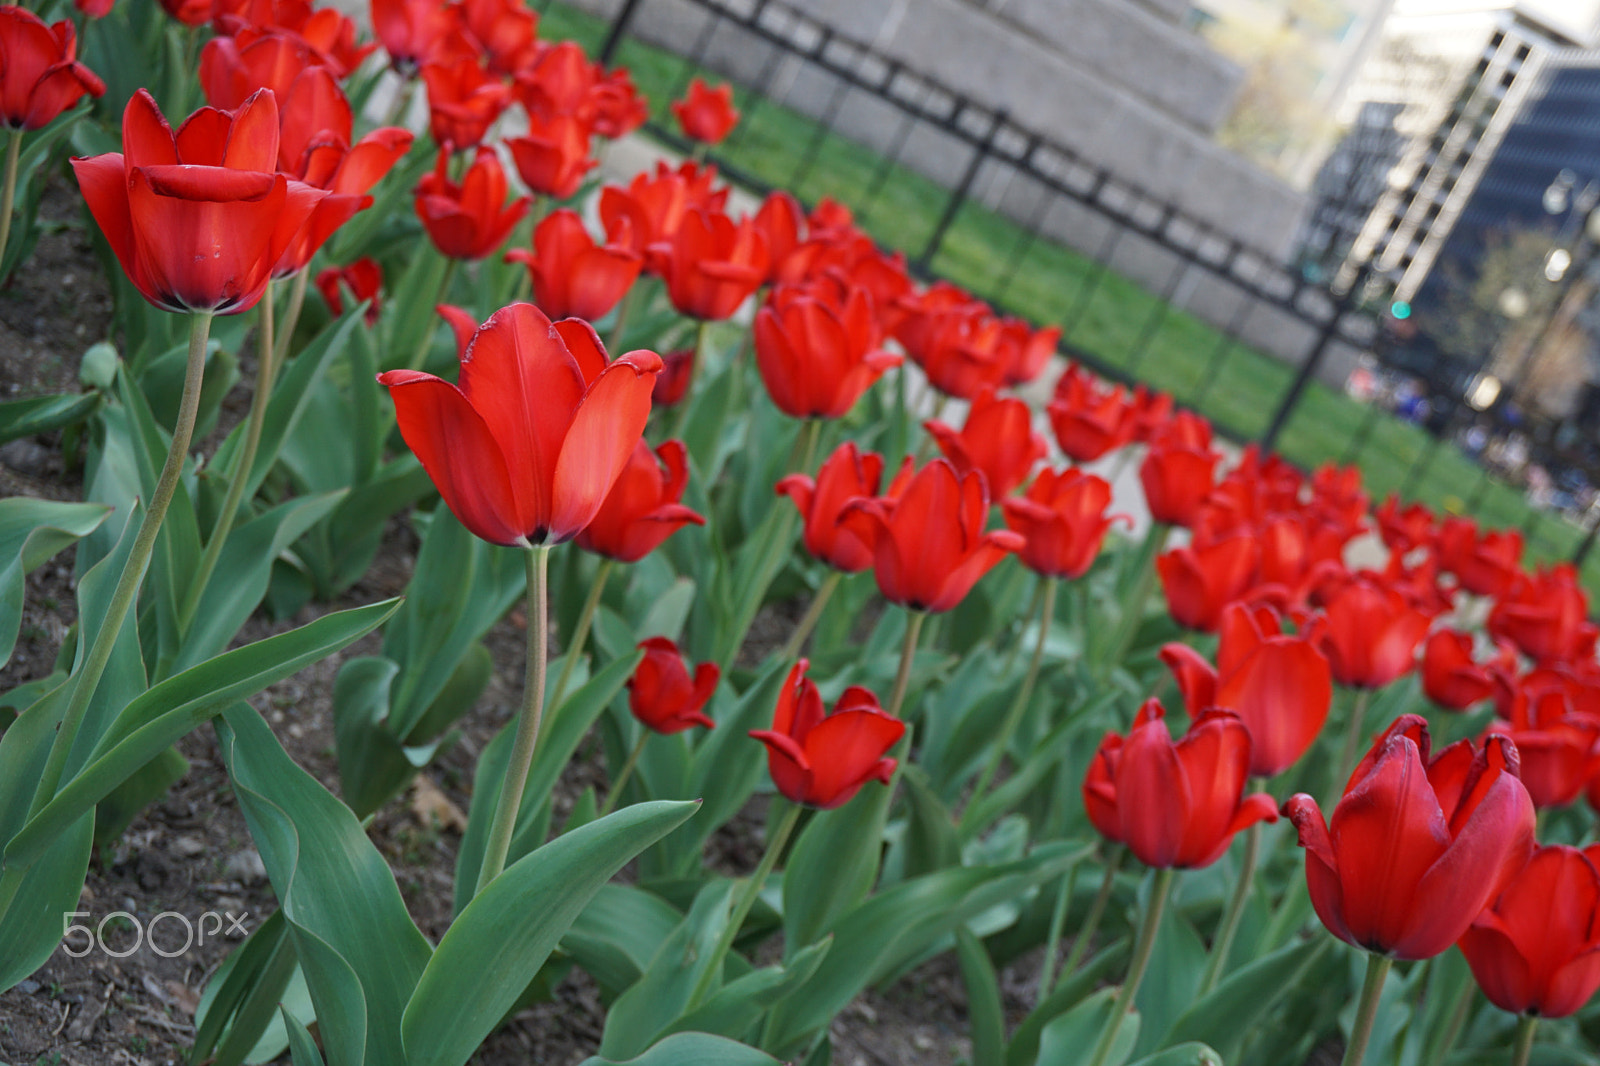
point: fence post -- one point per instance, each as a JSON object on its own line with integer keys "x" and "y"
{"x": 1319, "y": 351}
{"x": 959, "y": 195}
{"x": 1586, "y": 544}
{"x": 619, "y": 26}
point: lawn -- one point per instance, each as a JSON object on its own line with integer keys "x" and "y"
{"x": 1113, "y": 322}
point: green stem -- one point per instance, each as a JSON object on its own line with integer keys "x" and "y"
{"x": 627, "y": 771}
{"x": 9, "y": 194}
{"x": 420, "y": 356}
{"x": 291, "y": 317}
{"x": 1522, "y": 1049}
{"x": 1097, "y": 911}
{"x": 1052, "y": 944}
{"x": 1452, "y": 1029}
{"x": 505, "y": 812}
{"x": 580, "y": 632}
{"x": 1019, "y": 705}
{"x": 1016, "y": 645}
{"x": 1142, "y": 951}
{"x": 1367, "y": 1010}
{"x": 741, "y": 909}
{"x": 1223, "y": 942}
{"x": 620, "y": 326}
{"x": 127, "y": 590}
{"x": 1133, "y": 609}
{"x": 908, "y": 652}
{"x": 1352, "y": 745}
{"x": 266, "y": 370}
{"x": 809, "y": 620}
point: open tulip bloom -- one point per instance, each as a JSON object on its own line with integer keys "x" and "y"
{"x": 823, "y": 759}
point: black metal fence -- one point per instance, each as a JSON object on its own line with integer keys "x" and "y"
{"x": 1142, "y": 289}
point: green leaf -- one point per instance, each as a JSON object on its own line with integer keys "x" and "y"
{"x": 116, "y": 812}
{"x": 1064, "y": 1040}
{"x": 242, "y": 997}
{"x": 499, "y": 942}
{"x": 301, "y": 1046}
{"x": 41, "y": 414}
{"x": 181, "y": 704}
{"x": 371, "y": 764}
{"x": 361, "y": 954}
{"x": 618, "y": 933}
{"x": 694, "y": 1049}
{"x": 833, "y": 865}
{"x": 986, "y": 1019}
{"x": 930, "y": 842}
{"x": 410, "y": 315}
{"x": 31, "y": 531}
{"x": 1182, "y": 1055}
{"x": 1068, "y": 994}
{"x": 1239, "y": 1003}
{"x": 739, "y": 1004}
{"x": 1176, "y": 963}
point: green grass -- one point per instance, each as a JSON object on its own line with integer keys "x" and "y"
{"x": 1112, "y": 319}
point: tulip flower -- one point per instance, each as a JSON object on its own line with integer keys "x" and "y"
{"x": 1175, "y": 805}
{"x": 40, "y": 75}
{"x": 1418, "y": 846}
{"x": 1200, "y": 580}
{"x": 706, "y": 115}
{"x": 1278, "y": 684}
{"x": 363, "y": 278}
{"x": 1546, "y": 615}
{"x": 573, "y": 276}
{"x": 844, "y": 476}
{"x": 1486, "y": 565}
{"x": 188, "y": 12}
{"x": 955, "y": 340}
{"x": 505, "y": 31}
{"x": 661, "y": 693}
{"x": 780, "y": 220}
{"x": 677, "y": 374}
{"x": 649, "y": 211}
{"x": 713, "y": 265}
{"x": 1025, "y": 350}
{"x": 526, "y": 450}
{"x": 1088, "y": 421}
{"x": 817, "y": 353}
{"x": 94, "y": 9}
{"x": 1371, "y": 635}
{"x": 1557, "y": 747}
{"x": 1404, "y": 529}
{"x": 822, "y": 760}
{"x": 472, "y": 219}
{"x": 231, "y": 68}
{"x": 1450, "y": 677}
{"x": 328, "y": 33}
{"x": 1536, "y": 949}
{"x": 553, "y": 156}
{"x": 1062, "y": 518}
{"x": 642, "y": 509}
{"x": 197, "y": 219}
{"x": 997, "y": 439}
{"x": 618, "y": 106}
{"x": 464, "y": 100}
{"x": 1178, "y": 470}
{"x": 560, "y": 81}
{"x": 416, "y": 32}
{"x": 928, "y": 545}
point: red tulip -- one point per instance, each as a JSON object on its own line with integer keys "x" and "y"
{"x": 560, "y": 81}
{"x": 231, "y": 68}
{"x": 649, "y": 211}
{"x": 363, "y": 278}
{"x": 1178, "y": 470}
{"x": 844, "y": 476}
{"x": 1450, "y": 678}
{"x": 706, "y": 114}
{"x": 40, "y": 76}
{"x": 816, "y": 353}
{"x": 573, "y": 276}
{"x": 1486, "y": 564}
{"x": 472, "y": 219}
{"x": 506, "y": 32}
{"x": 1200, "y": 580}
{"x": 954, "y": 339}
{"x": 1405, "y": 529}
{"x": 1062, "y": 517}
{"x": 1089, "y": 422}
{"x": 1371, "y": 635}
{"x": 1151, "y": 412}
{"x": 415, "y": 32}
{"x": 713, "y": 265}
{"x": 1025, "y": 350}
{"x": 1558, "y": 747}
{"x": 464, "y": 100}
{"x": 188, "y": 12}
{"x": 553, "y": 156}
{"x": 780, "y": 220}
{"x": 95, "y": 9}
{"x": 1277, "y": 683}
{"x": 662, "y": 695}
{"x": 928, "y": 545}
{"x": 1547, "y": 616}
{"x": 1536, "y": 949}
{"x": 642, "y": 509}
{"x": 619, "y": 108}
{"x": 997, "y": 439}
{"x": 823, "y": 760}
{"x": 677, "y": 374}
{"x": 328, "y": 33}
{"x": 1417, "y": 848}
{"x": 1175, "y": 805}
{"x": 526, "y": 450}
{"x": 197, "y": 219}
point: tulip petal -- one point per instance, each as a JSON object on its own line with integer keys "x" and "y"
{"x": 786, "y": 762}
{"x": 608, "y": 422}
{"x": 845, "y": 751}
{"x": 1154, "y": 800}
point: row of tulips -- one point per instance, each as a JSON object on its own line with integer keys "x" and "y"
{"x": 947, "y": 816}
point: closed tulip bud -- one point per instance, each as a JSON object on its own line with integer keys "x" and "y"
{"x": 1175, "y": 804}
{"x": 780, "y": 220}
{"x": 661, "y": 693}
{"x": 1418, "y": 846}
{"x": 553, "y": 156}
{"x": 848, "y": 474}
{"x": 527, "y": 448}
{"x": 822, "y": 760}
{"x": 713, "y": 265}
{"x": 1371, "y": 635}
{"x": 1200, "y": 580}
{"x": 997, "y": 439}
{"x": 642, "y": 509}
{"x": 1062, "y": 519}
{"x": 928, "y": 545}
{"x": 472, "y": 219}
{"x": 1178, "y": 470}
{"x": 818, "y": 352}
{"x": 1450, "y": 677}
{"x": 706, "y": 114}
{"x": 40, "y": 75}
{"x": 572, "y": 275}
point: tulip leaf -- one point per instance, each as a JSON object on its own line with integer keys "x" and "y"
{"x": 1176, "y": 964}
{"x": 242, "y": 997}
{"x": 34, "y": 168}
{"x": 986, "y": 1019}
{"x": 360, "y": 951}
{"x": 693, "y": 1049}
{"x": 618, "y": 933}
{"x": 1237, "y": 1005}
{"x": 302, "y": 1049}
{"x": 1182, "y": 1055}
{"x": 501, "y": 939}
{"x": 372, "y": 766}
{"x": 1024, "y": 1047}
{"x": 31, "y": 531}
{"x": 1063, "y": 1041}
{"x": 930, "y": 842}
{"x": 739, "y": 1004}
{"x": 409, "y": 318}
{"x": 834, "y": 865}
{"x": 41, "y": 414}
